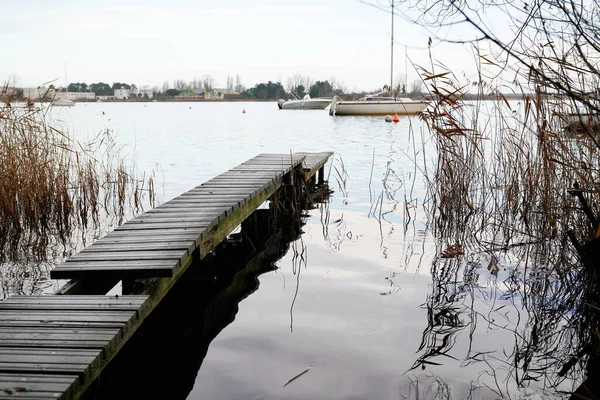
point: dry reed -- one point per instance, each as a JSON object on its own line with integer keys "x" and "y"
{"x": 53, "y": 186}
{"x": 500, "y": 193}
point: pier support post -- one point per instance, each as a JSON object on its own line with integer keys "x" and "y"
{"x": 321, "y": 175}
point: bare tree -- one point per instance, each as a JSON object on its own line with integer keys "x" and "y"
{"x": 12, "y": 81}
{"x": 239, "y": 88}
{"x": 554, "y": 45}
{"x": 208, "y": 83}
{"x": 401, "y": 83}
{"x": 180, "y": 84}
{"x": 416, "y": 87}
{"x": 297, "y": 81}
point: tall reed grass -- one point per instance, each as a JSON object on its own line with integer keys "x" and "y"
{"x": 500, "y": 193}
{"x": 53, "y": 186}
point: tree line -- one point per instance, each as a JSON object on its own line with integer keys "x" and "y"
{"x": 297, "y": 86}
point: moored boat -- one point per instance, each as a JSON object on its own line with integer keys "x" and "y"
{"x": 63, "y": 103}
{"x": 307, "y": 103}
{"x": 377, "y": 106}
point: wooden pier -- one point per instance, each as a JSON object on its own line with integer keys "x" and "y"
{"x": 56, "y": 346}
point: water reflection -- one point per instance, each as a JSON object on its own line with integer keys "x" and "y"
{"x": 169, "y": 348}
{"x": 25, "y": 278}
{"x": 479, "y": 300}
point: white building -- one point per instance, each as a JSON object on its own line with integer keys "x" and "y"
{"x": 121, "y": 94}
{"x": 75, "y": 96}
{"x": 133, "y": 93}
{"x": 51, "y": 94}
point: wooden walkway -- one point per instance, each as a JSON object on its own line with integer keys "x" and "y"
{"x": 55, "y": 346}
{"x": 51, "y": 345}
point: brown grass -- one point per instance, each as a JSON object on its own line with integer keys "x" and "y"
{"x": 52, "y": 185}
{"x": 500, "y": 191}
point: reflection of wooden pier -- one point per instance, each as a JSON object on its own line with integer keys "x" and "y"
{"x": 56, "y": 346}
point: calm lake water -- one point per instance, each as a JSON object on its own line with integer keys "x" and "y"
{"x": 366, "y": 307}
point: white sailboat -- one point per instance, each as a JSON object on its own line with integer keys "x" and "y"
{"x": 377, "y": 104}
{"x": 64, "y": 102}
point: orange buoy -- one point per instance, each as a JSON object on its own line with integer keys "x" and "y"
{"x": 396, "y": 118}
{"x": 244, "y": 111}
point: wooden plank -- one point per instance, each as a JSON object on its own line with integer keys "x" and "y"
{"x": 122, "y": 303}
{"x": 66, "y": 316}
{"x": 188, "y": 246}
{"x": 225, "y": 191}
{"x": 38, "y": 386}
{"x": 188, "y": 204}
{"x": 191, "y": 232}
{"x": 73, "y": 335}
{"x": 220, "y": 184}
{"x": 182, "y": 217}
{"x": 167, "y": 209}
{"x": 127, "y": 268}
{"x": 206, "y": 201}
{"x": 33, "y": 335}
{"x": 198, "y": 213}
{"x": 213, "y": 196}
{"x": 201, "y": 226}
{"x": 141, "y": 254}
{"x": 23, "y": 356}
{"x": 237, "y": 178}
{"x": 120, "y": 239}
{"x": 250, "y": 174}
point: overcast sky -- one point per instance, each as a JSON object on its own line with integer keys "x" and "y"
{"x": 147, "y": 41}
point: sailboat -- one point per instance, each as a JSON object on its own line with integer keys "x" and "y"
{"x": 64, "y": 102}
{"x": 378, "y": 104}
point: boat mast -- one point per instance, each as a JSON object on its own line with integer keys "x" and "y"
{"x": 392, "y": 53}
{"x": 405, "y": 69}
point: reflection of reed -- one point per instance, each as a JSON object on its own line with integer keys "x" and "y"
{"x": 24, "y": 278}
{"x": 444, "y": 307}
{"x": 498, "y": 195}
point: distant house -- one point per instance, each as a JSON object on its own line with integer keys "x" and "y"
{"x": 214, "y": 94}
{"x": 132, "y": 93}
{"x": 227, "y": 91}
{"x": 121, "y": 94}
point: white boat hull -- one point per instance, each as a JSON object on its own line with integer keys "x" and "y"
{"x": 63, "y": 103}
{"x": 310, "y": 104}
{"x": 370, "y": 107}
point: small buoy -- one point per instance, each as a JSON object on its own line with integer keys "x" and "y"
{"x": 190, "y": 107}
{"x": 396, "y": 118}
{"x": 388, "y": 118}
{"x": 244, "y": 111}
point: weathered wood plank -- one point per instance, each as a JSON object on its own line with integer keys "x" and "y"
{"x": 183, "y": 218}
{"x": 191, "y": 232}
{"x": 188, "y": 246}
{"x": 66, "y": 316}
{"x": 63, "y": 335}
{"x": 36, "y": 383}
{"x": 32, "y": 336}
{"x": 162, "y": 226}
{"x": 133, "y": 255}
{"x": 125, "y": 269}
{"x": 124, "y": 303}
